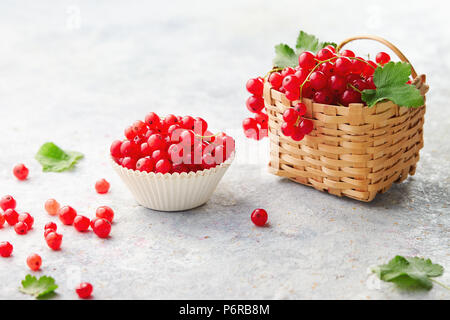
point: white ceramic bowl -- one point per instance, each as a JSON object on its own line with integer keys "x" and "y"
{"x": 172, "y": 192}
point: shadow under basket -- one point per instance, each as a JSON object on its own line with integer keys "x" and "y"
{"x": 353, "y": 151}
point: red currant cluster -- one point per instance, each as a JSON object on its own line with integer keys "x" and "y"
{"x": 171, "y": 144}
{"x": 256, "y": 127}
{"x": 328, "y": 77}
{"x": 22, "y": 222}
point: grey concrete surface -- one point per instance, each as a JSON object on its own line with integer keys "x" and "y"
{"x": 77, "y": 72}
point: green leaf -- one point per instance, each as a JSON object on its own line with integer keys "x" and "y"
{"x": 44, "y": 287}
{"x": 53, "y": 158}
{"x": 309, "y": 42}
{"x": 390, "y": 82}
{"x": 285, "y": 56}
{"x": 409, "y": 273}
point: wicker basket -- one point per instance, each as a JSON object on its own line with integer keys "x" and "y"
{"x": 353, "y": 151}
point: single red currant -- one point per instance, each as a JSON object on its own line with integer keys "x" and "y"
{"x": 50, "y": 226}
{"x": 255, "y": 86}
{"x": 307, "y": 60}
{"x": 156, "y": 141}
{"x": 34, "y": 262}
{"x": 324, "y": 54}
{"x": 324, "y": 96}
{"x": 84, "y": 290}
{"x": 7, "y": 202}
{"x": 261, "y": 118}
{"x": 358, "y": 66}
{"x": 287, "y": 128}
{"x": 300, "y": 108}
{"x": 290, "y": 115}
{"x": 350, "y": 96}
{"x": 54, "y": 240}
{"x": 101, "y": 227}
{"x": 259, "y": 217}
{"x": 129, "y": 163}
{"x": 255, "y": 104}
{"x": 343, "y": 66}
{"x": 163, "y": 166}
{"x": 26, "y": 218}
{"x": 6, "y": 249}
{"x": 115, "y": 149}
{"x": 318, "y": 80}
{"x": 102, "y": 186}
{"x": 52, "y": 206}
{"x": 306, "y": 126}
{"x": 290, "y": 83}
{"x": 129, "y": 133}
{"x": 20, "y": 171}
{"x": 11, "y": 216}
{"x": 81, "y": 223}
{"x": 159, "y": 155}
{"x": 348, "y": 53}
{"x": 382, "y": 58}
{"x": 153, "y": 120}
{"x": 129, "y": 149}
{"x": 275, "y": 80}
{"x": 250, "y": 127}
{"x": 337, "y": 84}
{"x": 293, "y": 95}
{"x": 297, "y": 134}
{"x": 369, "y": 69}
{"x": 105, "y": 212}
{"x": 21, "y": 228}
{"x": 327, "y": 69}
{"x": 67, "y": 214}
{"x": 145, "y": 164}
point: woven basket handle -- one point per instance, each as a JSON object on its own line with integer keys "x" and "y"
{"x": 383, "y": 41}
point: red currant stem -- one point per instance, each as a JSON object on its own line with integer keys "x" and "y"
{"x": 297, "y": 122}
{"x": 441, "y": 284}
{"x": 354, "y": 88}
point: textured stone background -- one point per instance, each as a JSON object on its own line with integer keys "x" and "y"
{"x": 77, "y": 72}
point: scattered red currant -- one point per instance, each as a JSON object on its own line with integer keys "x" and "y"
{"x": 21, "y": 228}
{"x": 7, "y": 202}
{"x": 11, "y": 216}
{"x": 259, "y": 217}
{"x": 84, "y": 290}
{"x": 34, "y": 262}
{"x": 20, "y": 171}
{"x": 105, "y": 212}
{"x": 52, "y": 206}
{"x": 67, "y": 214}
{"x": 81, "y": 223}
{"x": 6, "y": 249}
{"x": 102, "y": 186}
{"x": 101, "y": 227}
{"x": 54, "y": 240}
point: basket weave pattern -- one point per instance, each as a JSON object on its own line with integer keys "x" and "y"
{"x": 353, "y": 151}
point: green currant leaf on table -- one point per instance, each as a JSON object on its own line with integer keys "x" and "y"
{"x": 42, "y": 288}
{"x": 285, "y": 56}
{"x": 410, "y": 272}
{"x": 390, "y": 82}
{"x": 53, "y": 158}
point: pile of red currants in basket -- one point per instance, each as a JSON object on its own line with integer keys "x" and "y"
{"x": 326, "y": 77}
{"x": 171, "y": 144}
